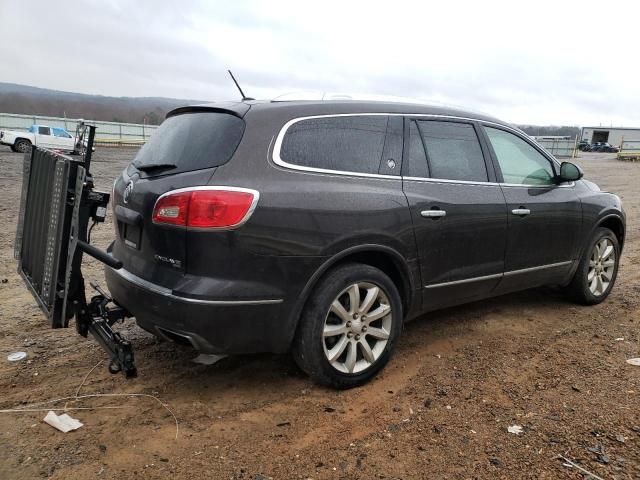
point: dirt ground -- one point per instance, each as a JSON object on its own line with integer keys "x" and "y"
{"x": 440, "y": 409}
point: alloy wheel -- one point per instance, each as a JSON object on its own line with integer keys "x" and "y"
{"x": 22, "y": 147}
{"x": 357, "y": 327}
{"x": 602, "y": 266}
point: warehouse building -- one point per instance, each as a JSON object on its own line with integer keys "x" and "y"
{"x": 613, "y": 135}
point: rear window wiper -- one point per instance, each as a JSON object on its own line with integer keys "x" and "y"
{"x": 155, "y": 166}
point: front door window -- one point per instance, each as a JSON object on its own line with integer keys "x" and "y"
{"x": 520, "y": 163}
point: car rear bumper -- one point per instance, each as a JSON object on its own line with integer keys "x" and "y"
{"x": 228, "y": 326}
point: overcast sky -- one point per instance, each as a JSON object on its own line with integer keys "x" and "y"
{"x": 540, "y": 62}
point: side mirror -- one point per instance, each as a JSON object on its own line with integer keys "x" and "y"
{"x": 570, "y": 172}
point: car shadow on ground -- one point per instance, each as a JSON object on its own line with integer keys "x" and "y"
{"x": 252, "y": 372}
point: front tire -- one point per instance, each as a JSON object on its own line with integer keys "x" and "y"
{"x": 22, "y": 145}
{"x": 349, "y": 327}
{"x": 596, "y": 274}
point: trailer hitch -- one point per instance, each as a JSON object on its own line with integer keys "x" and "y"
{"x": 97, "y": 317}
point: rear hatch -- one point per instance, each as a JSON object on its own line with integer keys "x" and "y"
{"x": 184, "y": 152}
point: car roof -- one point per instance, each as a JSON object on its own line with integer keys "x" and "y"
{"x": 301, "y": 108}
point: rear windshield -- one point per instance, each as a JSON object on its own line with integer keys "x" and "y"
{"x": 191, "y": 141}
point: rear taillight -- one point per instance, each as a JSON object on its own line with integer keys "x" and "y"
{"x": 206, "y": 207}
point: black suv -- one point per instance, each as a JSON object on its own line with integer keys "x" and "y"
{"x": 322, "y": 226}
{"x": 604, "y": 147}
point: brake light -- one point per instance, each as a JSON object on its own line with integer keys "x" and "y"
{"x": 206, "y": 207}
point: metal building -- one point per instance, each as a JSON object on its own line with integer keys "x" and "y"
{"x": 613, "y": 135}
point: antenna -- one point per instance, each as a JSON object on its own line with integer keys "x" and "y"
{"x": 244, "y": 97}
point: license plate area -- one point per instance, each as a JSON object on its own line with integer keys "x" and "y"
{"x": 131, "y": 235}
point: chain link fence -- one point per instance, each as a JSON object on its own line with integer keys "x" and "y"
{"x": 559, "y": 147}
{"x": 629, "y": 150}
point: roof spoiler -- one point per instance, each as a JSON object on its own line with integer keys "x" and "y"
{"x": 238, "y": 109}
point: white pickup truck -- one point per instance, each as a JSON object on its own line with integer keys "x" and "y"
{"x": 40, "y": 135}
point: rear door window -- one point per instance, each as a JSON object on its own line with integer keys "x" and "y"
{"x": 347, "y": 144}
{"x": 451, "y": 149}
{"x": 44, "y": 131}
{"x": 416, "y": 165}
{"x": 191, "y": 141}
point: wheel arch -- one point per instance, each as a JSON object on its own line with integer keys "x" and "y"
{"x": 382, "y": 257}
{"x": 614, "y": 223}
{"x": 18, "y": 139}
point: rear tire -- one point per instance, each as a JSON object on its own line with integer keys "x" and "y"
{"x": 21, "y": 145}
{"x": 596, "y": 274}
{"x": 349, "y": 327}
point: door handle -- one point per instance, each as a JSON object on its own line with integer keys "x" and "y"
{"x": 433, "y": 213}
{"x": 521, "y": 211}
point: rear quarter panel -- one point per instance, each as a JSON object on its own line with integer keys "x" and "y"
{"x": 303, "y": 219}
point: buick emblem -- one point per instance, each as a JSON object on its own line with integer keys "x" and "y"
{"x": 127, "y": 192}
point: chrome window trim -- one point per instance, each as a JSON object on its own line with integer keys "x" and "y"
{"x": 247, "y": 216}
{"x": 277, "y": 159}
{"x": 444, "y": 180}
{"x": 168, "y": 293}
{"x": 553, "y": 185}
{"x": 498, "y": 275}
{"x": 279, "y": 139}
{"x": 466, "y": 182}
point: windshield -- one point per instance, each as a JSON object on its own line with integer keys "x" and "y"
{"x": 191, "y": 141}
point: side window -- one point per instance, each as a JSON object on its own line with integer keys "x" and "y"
{"x": 453, "y": 151}
{"x": 351, "y": 144}
{"x": 519, "y": 162}
{"x": 60, "y": 132}
{"x": 417, "y": 159}
{"x": 44, "y": 131}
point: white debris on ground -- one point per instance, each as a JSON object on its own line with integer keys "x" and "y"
{"x": 515, "y": 429}
{"x": 63, "y": 422}
{"x": 16, "y": 356}
{"x": 634, "y": 361}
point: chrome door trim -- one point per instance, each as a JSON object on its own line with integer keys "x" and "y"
{"x": 466, "y": 280}
{"x": 166, "y": 292}
{"x": 540, "y": 267}
{"x": 498, "y": 275}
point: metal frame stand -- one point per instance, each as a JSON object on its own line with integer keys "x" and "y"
{"x": 101, "y": 313}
